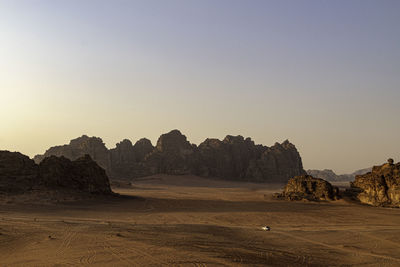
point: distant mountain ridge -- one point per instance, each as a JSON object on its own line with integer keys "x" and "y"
{"x": 234, "y": 158}
{"x": 331, "y": 176}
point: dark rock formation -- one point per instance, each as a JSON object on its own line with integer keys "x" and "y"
{"x": 234, "y": 158}
{"x": 278, "y": 163}
{"x": 18, "y": 173}
{"x": 80, "y": 175}
{"x": 79, "y": 147}
{"x": 380, "y": 187}
{"x": 230, "y": 158}
{"x": 237, "y": 158}
{"x": 306, "y": 187}
{"x": 126, "y": 160}
{"x": 142, "y": 148}
{"x": 173, "y": 155}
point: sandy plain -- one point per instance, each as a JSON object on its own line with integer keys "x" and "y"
{"x": 192, "y": 221}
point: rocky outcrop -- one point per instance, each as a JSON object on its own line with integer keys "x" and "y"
{"x": 80, "y": 175}
{"x": 380, "y": 187}
{"x": 234, "y": 158}
{"x": 19, "y": 174}
{"x": 79, "y": 147}
{"x": 306, "y": 187}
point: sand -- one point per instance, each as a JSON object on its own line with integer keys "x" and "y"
{"x": 191, "y": 221}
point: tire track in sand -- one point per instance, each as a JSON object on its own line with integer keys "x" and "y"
{"x": 339, "y": 248}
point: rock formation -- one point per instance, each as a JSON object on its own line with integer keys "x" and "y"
{"x": 80, "y": 175}
{"x": 93, "y": 146}
{"x": 19, "y": 174}
{"x": 230, "y": 158}
{"x": 240, "y": 159}
{"x": 234, "y": 158}
{"x": 329, "y": 175}
{"x": 380, "y": 187}
{"x": 126, "y": 160}
{"x": 173, "y": 155}
{"x": 278, "y": 163}
{"x": 306, "y": 187}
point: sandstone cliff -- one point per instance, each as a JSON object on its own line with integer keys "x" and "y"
{"x": 173, "y": 155}
{"x": 306, "y": 187}
{"x": 234, "y": 158}
{"x": 126, "y": 160}
{"x": 380, "y": 187}
{"x": 79, "y": 147}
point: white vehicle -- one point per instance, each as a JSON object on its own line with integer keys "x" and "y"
{"x": 266, "y": 228}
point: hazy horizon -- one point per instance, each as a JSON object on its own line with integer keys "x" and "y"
{"x": 323, "y": 74}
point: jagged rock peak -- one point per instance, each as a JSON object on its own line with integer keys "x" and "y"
{"x": 144, "y": 142}
{"x": 124, "y": 143}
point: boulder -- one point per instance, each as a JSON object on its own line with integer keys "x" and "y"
{"x": 306, "y": 187}
{"x": 380, "y": 187}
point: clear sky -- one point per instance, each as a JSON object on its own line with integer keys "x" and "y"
{"x": 323, "y": 74}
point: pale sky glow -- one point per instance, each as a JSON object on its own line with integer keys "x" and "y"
{"x": 323, "y": 74}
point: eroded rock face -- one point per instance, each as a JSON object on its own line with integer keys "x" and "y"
{"x": 80, "y": 175}
{"x": 234, "y": 158}
{"x": 306, "y": 187}
{"x": 277, "y": 164}
{"x": 173, "y": 155}
{"x": 230, "y": 158}
{"x": 380, "y": 187}
{"x": 126, "y": 160}
{"x": 18, "y": 173}
{"x": 79, "y": 147}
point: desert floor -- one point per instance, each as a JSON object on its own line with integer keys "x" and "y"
{"x": 191, "y": 221}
